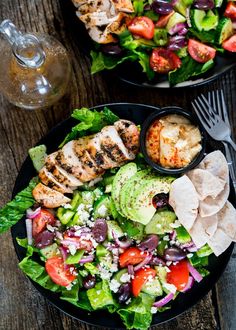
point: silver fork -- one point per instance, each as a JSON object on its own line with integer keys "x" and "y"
{"x": 216, "y": 99}
{"x": 213, "y": 124}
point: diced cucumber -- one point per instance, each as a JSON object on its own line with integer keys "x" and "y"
{"x": 71, "y": 260}
{"x": 181, "y": 6}
{"x": 182, "y": 235}
{"x": 160, "y": 37}
{"x": 102, "y": 208}
{"x": 76, "y": 200}
{"x": 205, "y": 251}
{"x": 38, "y": 155}
{"x": 92, "y": 269}
{"x": 106, "y": 261}
{"x": 114, "y": 227}
{"x": 153, "y": 287}
{"x": 75, "y": 221}
{"x": 97, "y": 193}
{"x": 101, "y": 251}
{"x": 87, "y": 197}
{"x": 65, "y": 215}
{"x": 174, "y": 19}
{"x": 119, "y": 274}
{"x": 49, "y": 251}
{"x": 161, "y": 273}
{"x": 204, "y": 20}
{"x": 160, "y": 223}
{"x": 224, "y": 30}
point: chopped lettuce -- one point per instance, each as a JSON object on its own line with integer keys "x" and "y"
{"x": 72, "y": 294}
{"x": 204, "y": 36}
{"x": 137, "y": 315}
{"x": 91, "y": 121}
{"x": 83, "y": 301}
{"x": 100, "y": 296}
{"x": 189, "y": 68}
{"x": 13, "y": 211}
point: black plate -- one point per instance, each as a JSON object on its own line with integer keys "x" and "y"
{"x": 136, "y": 113}
{"x": 131, "y": 72}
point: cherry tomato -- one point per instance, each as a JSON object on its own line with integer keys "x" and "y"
{"x": 40, "y": 222}
{"x": 230, "y": 10}
{"x": 80, "y": 242}
{"x": 142, "y": 26}
{"x": 163, "y": 20}
{"x": 200, "y": 52}
{"x": 230, "y": 44}
{"x": 140, "y": 278}
{"x": 178, "y": 275}
{"x": 163, "y": 60}
{"x": 60, "y": 275}
{"x": 132, "y": 256}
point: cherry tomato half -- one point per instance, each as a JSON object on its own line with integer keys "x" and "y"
{"x": 200, "y": 52}
{"x": 163, "y": 60}
{"x": 230, "y": 44}
{"x": 230, "y": 10}
{"x": 60, "y": 275}
{"x": 178, "y": 275}
{"x": 80, "y": 242}
{"x": 163, "y": 20}
{"x": 142, "y": 26}
{"x": 132, "y": 256}
{"x": 140, "y": 278}
{"x": 40, "y": 222}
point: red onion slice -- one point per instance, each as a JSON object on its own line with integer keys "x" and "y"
{"x": 32, "y": 214}
{"x": 189, "y": 284}
{"x": 173, "y": 235}
{"x": 67, "y": 242}
{"x": 86, "y": 259}
{"x": 29, "y": 227}
{"x": 123, "y": 245}
{"x": 195, "y": 274}
{"x": 144, "y": 262}
{"x": 176, "y": 28}
{"x": 130, "y": 269}
{"x": 164, "y": 300}
{"x": 64, "y": 253}
{"x": 183, "y": 32}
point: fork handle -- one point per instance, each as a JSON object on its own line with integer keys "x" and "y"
{"x": 231, "y": 142}
{"x": 230, "y": 164}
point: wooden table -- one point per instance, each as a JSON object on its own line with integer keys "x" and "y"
{"x": 21, "y": 306}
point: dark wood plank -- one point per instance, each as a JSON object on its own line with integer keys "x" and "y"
{"x": 21, "y": 306}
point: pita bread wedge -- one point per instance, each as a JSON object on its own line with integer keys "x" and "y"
{"x": 184, "y": 200}
{"x": 219, "y": 242}
{"x": 210, "y": 205}
{"x": 205, "y": 183}
{"x": 227, "y": 220}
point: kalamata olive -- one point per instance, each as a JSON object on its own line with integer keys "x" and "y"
{"x": 204, "y": 4}
{"x": 160, "y": 200}
{"x": 100, "y": 230}
{"x": 174, "y": 254}
{"x": 124, "y": 293}
{"x": 43, "y": 239}
{"x": 162, "y": 7}
{"x": 89, "y": 282}
{"x": 156, "y": 261}
{"x": 150, "y": 243}
{"x": 111, "y": 49}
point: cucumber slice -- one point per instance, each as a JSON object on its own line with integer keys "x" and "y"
{"x": 153, "y": 288}
{"x": 119, "y": 274}
{"x": 102, "y": 208}
{"x": 87, "y": 197}
{"x": 224, "y": 30}
{"x": 49, "y": 251}
{"x": 204, "y": 21}
{"x": 113, "y": 226}
{"x": 65, "y": 215}
{"x": 76, "y": 200}
{"x": 161, "y": 273}
{"x": 175, "y": 19}
{"x": 37, "y": 155}
{"x": 160, "y": 223}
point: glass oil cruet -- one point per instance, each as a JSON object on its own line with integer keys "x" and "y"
{"x": 34, "y": 69}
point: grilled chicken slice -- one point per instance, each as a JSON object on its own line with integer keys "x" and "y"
{"x": 60, "y": 174}
{"x": 123, "y": 6}
{"x": 97, "y": 5}
{"x": 101, "y": 37}
{"x": 49, "y": 180}
{"x": 113, "y": 146}
{"x": 98, "y": 18}
{"x": 48, "y": 197}
{"x": 129, "y": 134}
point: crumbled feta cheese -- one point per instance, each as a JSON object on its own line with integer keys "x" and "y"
{"x": 72, "y": 249}
{"x": 153, "y": 310}
{"x": 105, "y": 274}
{"x": 166, "y": 238}
{"x": 168, "y": 263}
{"x": 125, "y": 278}
{"x": 102, "y": 210}
{"x": 113, "y": 268}
{"x": 167, "y": 269}
{"x": 69, "y": 287}
{"x": 67, "y": 206}
{"x": 190, "y": 255}
{"x": 170, "y": 287}
{"x": 128, "y": 301}
{"x": 114, "y": 285}
{"x": 50, "y": 228}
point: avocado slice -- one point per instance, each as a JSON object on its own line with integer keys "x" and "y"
{"x": 143, "y": 210}
{"x": 160, "y": 223}
{"x": 124, "y": 173}
{"x": 128, "y": 188}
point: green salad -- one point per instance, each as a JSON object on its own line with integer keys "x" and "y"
{"x": 117, "y": 245}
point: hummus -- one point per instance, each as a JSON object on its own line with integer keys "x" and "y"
{"x": 173, "y": 141}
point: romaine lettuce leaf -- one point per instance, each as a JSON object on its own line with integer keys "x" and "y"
{"x": 71, "y": 295}
{"x": 100, "y": 296}
{"x": 83, "y": 301}
{"x": 91, "y": 121}
{"x": 15, "y": 209}
{"x": 137, "y": 315}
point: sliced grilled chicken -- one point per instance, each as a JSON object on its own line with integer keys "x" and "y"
{"x": 49, "y": 180}
{"x": 101, "y": 37}
{"x": 98, "y": 18}
{"x": 48, "y": 197}
{"x": 129, "y": 134}
{"x": 60, "y": 174}
{"x": 123, "y": 6}
{"x": 94, "y": 5}
{"x": 113, "y": 146}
